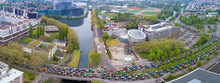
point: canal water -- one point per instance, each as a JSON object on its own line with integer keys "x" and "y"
{"x": 82, "y": 27}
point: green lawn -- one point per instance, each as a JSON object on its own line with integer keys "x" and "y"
{"x": 112, "y": 42}
{"x": 151, "y": 70}
{"x": 27, "y": 75}
{"x": 95, "y": 82}
{"x": 148, "y": 13}
{"x": 135, "y": 11}
{"x": 75, "y": 61}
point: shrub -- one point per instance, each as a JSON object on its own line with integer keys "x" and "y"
{"x": 133, "y": 63}
{"x": 199, "y": 63}
{"x": 207, "y": 58}
{"x": 216, "y": 52}
{"x": 190, "y": 68}
{"x": 155, "y": 76}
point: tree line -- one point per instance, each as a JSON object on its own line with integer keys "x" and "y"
{"x": 160, "y": 49}
{"x": 65, "y": 32}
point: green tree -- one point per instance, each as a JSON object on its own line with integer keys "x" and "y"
{"x": 199, "y": 63}
{"x": 190, "y": 68}
{"x": 30, "y": 33}
{"x": 171, "y": 59}
{"x": 106, "y": 35}
{"x": 133, "y": 63}
{"x": 69, "y": 47}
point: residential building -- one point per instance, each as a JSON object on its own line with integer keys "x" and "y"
{"x": 13, "y": 27}
{"x": 10, "y": 76}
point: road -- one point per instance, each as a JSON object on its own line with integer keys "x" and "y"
{"x": 101, "y": 48}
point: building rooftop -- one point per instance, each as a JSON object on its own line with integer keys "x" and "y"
{"x": 197, "y": 76}
{"x": 216, "y": 68}
{"x": 40, "y": 46}
{"x": 51, "y": 28}
{"x": 158, "y": 27}
{"x": 11, "y": 75}
{"x": 3, "y": 68}
{"x": 136, "y": 33}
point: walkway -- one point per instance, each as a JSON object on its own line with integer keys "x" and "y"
{"x": 70, "y": 55}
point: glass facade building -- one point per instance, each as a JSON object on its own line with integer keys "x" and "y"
{"x": 62, "y": 12}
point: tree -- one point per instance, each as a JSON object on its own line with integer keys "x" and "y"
{"x": 199, "y": 63}
{"x": 171, "y": 59}
{"x": 207, "y": 58}
{"x": 190, "y": 68}
{"x": 171, "y": 54}
{"x": 106, "y": 35}
{"x": 30, "y": 34}
{"x": 163, "y": 58}
{"x": 167, "y": 49}
{"x": 69, "y": 47}
{"x": 158, "y": 56}
{"x": 133, "y": 63}
{"x": 96, "y": 59}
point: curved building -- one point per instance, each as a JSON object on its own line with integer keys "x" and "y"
{"x": 135, "y": 36}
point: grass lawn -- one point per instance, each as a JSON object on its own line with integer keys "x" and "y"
{"x": 112, "y": 42}
{"x": 56, "y": 62}
{"x": 75, "y": 61}
{"x": 90, "y": 54}
{"x": 135, "y": 11}
{"x": 151, "y": 70}
{"x": 101, "y": 39}
{"x": 27, "y": 75}
{"x": 148, "y": 13}
{"x": 110, "y": 14}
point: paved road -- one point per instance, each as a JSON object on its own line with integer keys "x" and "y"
{"x": 101, "y": 48}
{"x": 70, "y": 55}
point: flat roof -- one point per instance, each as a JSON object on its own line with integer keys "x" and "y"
{"x": 11, "y": 75}
{"x": 200, "y": 75}
{"x": 49, "y": 28}
{"x": 216, "y": 68}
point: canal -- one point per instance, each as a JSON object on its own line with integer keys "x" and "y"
{"x": 82, "y": 27}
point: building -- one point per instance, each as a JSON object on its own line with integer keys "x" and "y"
{"x": 11, "y": 76}
{"x": 135, "y": 36}
{"x": 158, "y": 31}
{"x": 32, "y": 15}
{"x": 3, "y": 68}
{"x": 39, "y": 46}
{"x": 65, "y": 8}
{"x": 51, "y": 29}
{"x": 14, "y": 27}
{"x": 212, "y": 14}
{"x": 198, "y": 76}
{"x": 15, "y": 10}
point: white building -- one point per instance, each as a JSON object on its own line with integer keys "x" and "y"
{"x": 158, "y": 31}
{"x": 11, "y": 76}
{"x": 12, "y": 26}
{"x": 135, "y": 36}
{"x": 38, "y": 46}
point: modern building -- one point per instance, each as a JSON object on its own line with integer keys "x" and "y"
{"x": 33, "y": 15}
{"x": 15, "y": 10}
{"x": 10, "y": 76}
{"x": 198, "y": 76}
{"x": 14, "y": 27}
{"x": 135, "y": 36}
{"x": 39, "y": 46}
{"x": 158, "y": 31}
{"x": 65, "y": 8}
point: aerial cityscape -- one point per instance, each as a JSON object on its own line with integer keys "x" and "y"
{"x": 109, "y": 41}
